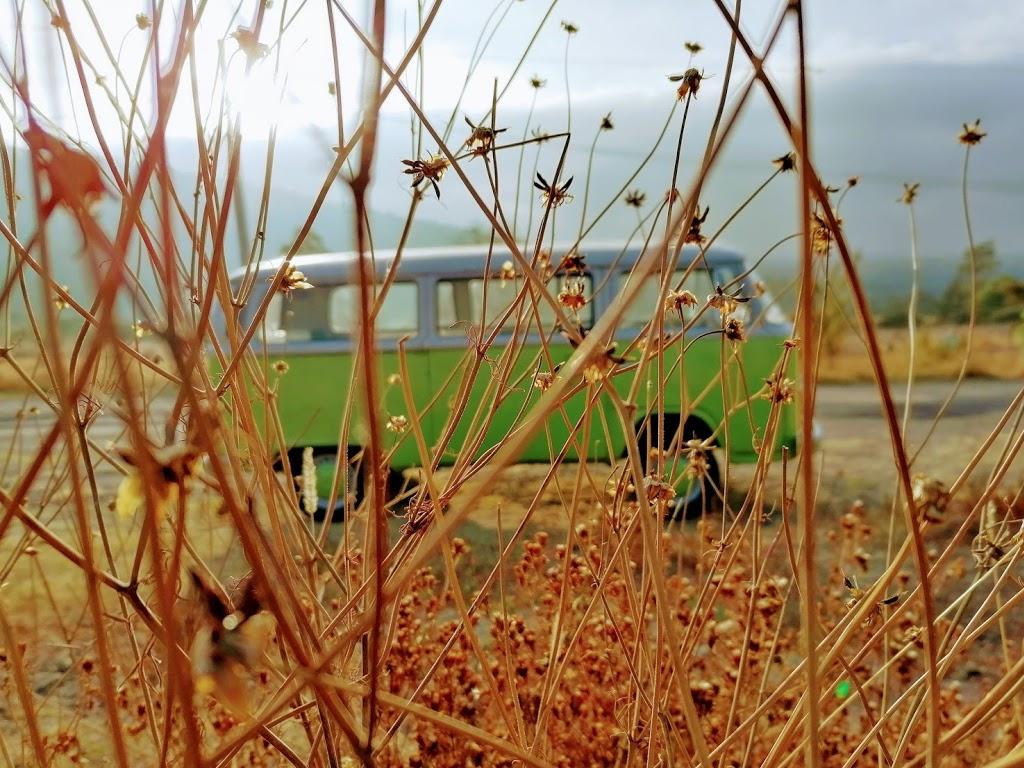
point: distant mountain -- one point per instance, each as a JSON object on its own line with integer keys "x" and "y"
{"x": 885, "y": 127}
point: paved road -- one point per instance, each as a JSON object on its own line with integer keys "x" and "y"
{"x": 856, "y": 453}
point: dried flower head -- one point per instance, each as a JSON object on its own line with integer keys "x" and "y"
{"x": 394, "y": 380}
{"x": 543, "y": 380}
{"x": 280, "y": 367}
{"x": 481, "y": 137}
{"x": 606, "y": 122}
{"x": 573, "y": 263}
{"x": 785, "y": 163}
{"x": 635, "y": 198}
{"x": 396, "y": 424}
{"x": 852, "y": 182}
{"x": 971, "y": 134}
{"x": 822, "y": 236}
{"x": 507, "y": 274}
{"x": 166, "y": 471}
{"x": 734, "y": 330}
{"x": 780, "y": 390}
{"x": 857, "y": 594}
{"x": 230, "y": 640}
{"x": 569, "y": 27}
{"x": 537, "y": 82}
{"x": 930, "y": 497}
{"x": 726, "y": 303}
{"x": 693, "y": 234}
{"x": 142, "y": 21}
{"x": 553, "y": 195}
{"x": 432, "y": 169}
{"x": 909, "y": 192}
{"x": 59, "y": 301}
{"x": 249, "y": 44}
{"x": 571, "y": 296}
{"x": 141, "y": 328}
{"x": 693, "y": 47}
{"x": 602, "y": 365}
{"x": 697, "y": 464}
{"x": 679, "y": 301}
{"x": 657, "y": 489}
{"x": 689, "y": 82}
{"x": 791, "y": 343}
{"x": 332, "y": 88}
{"x": 539, "y": 135}
{"x": 291, "y": 280}
{"x": 995, "y": 537}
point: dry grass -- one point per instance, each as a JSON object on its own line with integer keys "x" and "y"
{"x": 940, "y": 355}
{"x": 164, "y": 599}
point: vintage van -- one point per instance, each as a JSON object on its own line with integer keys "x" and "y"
{"x": 479, "y": 343}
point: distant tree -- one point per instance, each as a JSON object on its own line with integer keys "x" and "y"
{"x": 1001, "y": 300}
{"x": 955, "y": 302}
{"x": 312, "y": 243}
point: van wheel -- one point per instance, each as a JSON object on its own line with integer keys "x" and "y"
{"x": 694, "y": 496}
{"x": 325, "y": 458}
{"x": 697, "y": 495}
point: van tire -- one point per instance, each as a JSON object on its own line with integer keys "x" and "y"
{"x": 700, "y": 494}
{"x": 327, "y": 456}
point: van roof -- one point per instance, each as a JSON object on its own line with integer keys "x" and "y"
{"x": 468, "y": 260}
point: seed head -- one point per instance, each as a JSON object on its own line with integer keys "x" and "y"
{"x": 679, "y": 301}
{"x": 249, "y": 44}
{"x": 569, "y": 27}
{"x": 292, "y": 280}
{"x": 507, "y": 273}
{"x": 693, "y": 47}
{"x": 432, "y": 170}
{"x": 689, "y": 82}
{"x": 785, "y": 163}
{"x": 734, "y": 330}
{"x": 571, "y": 296}
{"x": 780, "y": 390}
{"x": 573, "y": 263}
{"x": 606, "y": 122}
{"x": 537, "y": 82}
{"x": 481, "y": 138}
{"x": 280, "y": 367}
{"x": 396, "y": 424}
{"x": 697, "y": 465}
{"x": 635, "y": 198}
{"x": 971, "y": 134}
{"x": 693, "y": 234}
{"x": 142, "y": 21}
{"x": 545, "y": 379}
{"x": 909, "y": 192}
{"x": 552, "y": 194}
{"x": 822, "y": 235}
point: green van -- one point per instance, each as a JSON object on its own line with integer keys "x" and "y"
{"x": 479, "y": 345}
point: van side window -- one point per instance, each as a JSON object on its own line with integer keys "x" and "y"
{"x": 460, "y": 301}
{"x": 398, "y": 316}
{"x": 332, "y": 312}
{"x": 699, "y": 283}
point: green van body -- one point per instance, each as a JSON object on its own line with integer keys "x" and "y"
{"x": 433, "y": 308}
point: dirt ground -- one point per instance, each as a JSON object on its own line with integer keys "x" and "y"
{"x": 854, "y": 459}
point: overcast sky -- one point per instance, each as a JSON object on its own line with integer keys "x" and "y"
{"x": 892, "y": 81}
